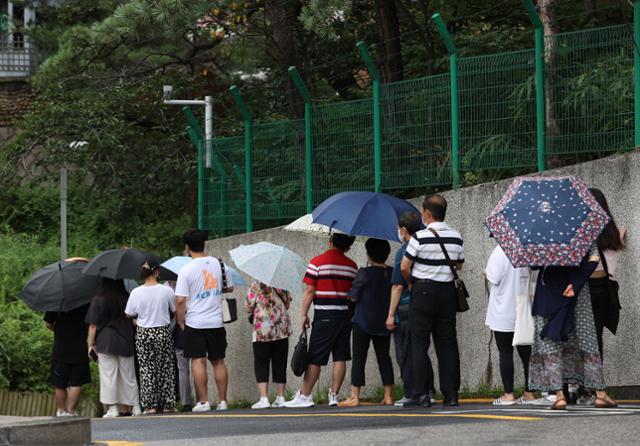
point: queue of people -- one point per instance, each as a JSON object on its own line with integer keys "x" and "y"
{"x": 139, "y": 348}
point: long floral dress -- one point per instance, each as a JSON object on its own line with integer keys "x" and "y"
{"x": 575, "y": 361}
{"x": 269, "y": 307}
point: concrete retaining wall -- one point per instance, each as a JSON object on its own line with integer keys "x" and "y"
{"x": 619, "y": 179}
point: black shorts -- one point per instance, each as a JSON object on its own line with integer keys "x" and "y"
{"x": 205, "y": 342}
{"x": 329, "y": 337}
{"x": 64, "y": 374}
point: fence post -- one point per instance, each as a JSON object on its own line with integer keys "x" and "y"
{"x": 636, "y": 70}
{"x": 248, "y": 177}
{"x": 541, "y": 119}
{"x": 308, "y": 148}
{"x": 193, "y": 135}
{"x": 377, "y": 127}
{"x": 455, "y": 109}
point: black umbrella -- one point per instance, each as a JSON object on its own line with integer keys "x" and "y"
{"x": 60, "y": 286}
{"x": 120, "y": 263}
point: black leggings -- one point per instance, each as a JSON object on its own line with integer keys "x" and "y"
{"x": 381, "y": 345}
{"x": 274, "y": 352}
{"x": 504, "y": 341}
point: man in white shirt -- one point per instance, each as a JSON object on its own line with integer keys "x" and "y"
{"x": 433, "y": 299}
{"x": 199, "y": 294}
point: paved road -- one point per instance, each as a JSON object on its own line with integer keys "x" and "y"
{"x": 471, "y": 424}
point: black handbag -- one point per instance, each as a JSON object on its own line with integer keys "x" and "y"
{"x": 299, "y": 358}
{"x": 461, "y": 290}
{"x": 229, "y": 304}
{"x": 613, "y": 289}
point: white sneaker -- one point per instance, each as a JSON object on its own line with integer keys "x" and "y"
{"x": 300, "y": 401}
{"x": 222, "y": 405}
{"x": 263, "y": 403}
{"x": 113, "y": 412}
{"x": 136, "y": 411}
{"x": 202, "y": 407}
{"x": 279, "y": 402}
{"x": 62, "y": 413}
{"x": 333, "y": 399}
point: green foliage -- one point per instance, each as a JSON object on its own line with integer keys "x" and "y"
{"x": 21, "y": 256}
{"x": 25, "y": 349}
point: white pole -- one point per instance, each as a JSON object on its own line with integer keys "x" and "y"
{"x": 63, "y": 212}
{"x": 208, "y": 129}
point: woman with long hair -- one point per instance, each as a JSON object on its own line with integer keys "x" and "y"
{"x": 152, "y": 306}
{"x": 603, "y": 282}
{"x": 110, "y": 341}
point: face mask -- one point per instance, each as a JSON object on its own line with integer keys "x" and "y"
{"x": 400, "y": 237}
{"x": 425, "y": 223}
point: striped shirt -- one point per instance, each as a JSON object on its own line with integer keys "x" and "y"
{"x": 331, "y": 274}
{"x": 428, "y": 259}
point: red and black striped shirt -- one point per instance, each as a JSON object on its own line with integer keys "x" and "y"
{"x": 331, "y": 274}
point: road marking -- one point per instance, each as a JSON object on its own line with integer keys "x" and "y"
{"x": 119, "y": 443}
{"x": 360, "y": 415}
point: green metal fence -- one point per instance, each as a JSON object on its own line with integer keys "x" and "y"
{"x": 590, "y": 88}
{"x": 497, "y": 111}
{"x": 573, "y": 94}
{"x": 416, "y": 133}
{"x": 278, "y": 172}
{"x": 342, "y": 145}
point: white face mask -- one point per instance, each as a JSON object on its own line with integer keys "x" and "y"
{"x": 400, "y": 236}
{"x": 424, "y": 223}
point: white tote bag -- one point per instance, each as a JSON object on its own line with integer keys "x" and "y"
{"x": 524, "y": 331}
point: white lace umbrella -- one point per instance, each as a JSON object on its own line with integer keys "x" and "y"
{"x": 306, "y": 224}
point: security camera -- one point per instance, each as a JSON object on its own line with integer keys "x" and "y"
{"x": 167, "y": 89}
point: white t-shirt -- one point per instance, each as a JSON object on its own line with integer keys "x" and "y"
{"x": 152, "y": 305}
{"x": 200, "y": 281}
{"x": 507, "y": 282}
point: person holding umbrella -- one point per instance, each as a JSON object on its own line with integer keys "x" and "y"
{"x": 64, "y": 294}
{"x": 268, "y": 310}
{"x": 111, "y": 337}
{"x": 278, "y": 272}
{"x": 552, "y": 224}
{"x": 69, "y": 362}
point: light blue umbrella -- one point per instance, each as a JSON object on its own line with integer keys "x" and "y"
{"x": 170, "y": 269}
{"x": 271, "y": 264}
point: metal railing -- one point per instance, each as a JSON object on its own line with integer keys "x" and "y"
{"x": 572, "y": 93}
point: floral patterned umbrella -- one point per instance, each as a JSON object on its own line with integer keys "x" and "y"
{"x": 547, "y": 221}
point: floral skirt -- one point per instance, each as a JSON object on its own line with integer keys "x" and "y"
{"x": 575, "y": 361}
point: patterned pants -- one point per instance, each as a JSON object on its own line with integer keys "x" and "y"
{"x": 157, "y": 374}
{"x": 576, "y": 361}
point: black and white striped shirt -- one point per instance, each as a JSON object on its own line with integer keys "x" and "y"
{"x": 428, "y": 259}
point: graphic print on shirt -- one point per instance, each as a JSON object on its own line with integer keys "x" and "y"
{"x": 210, "y": 286}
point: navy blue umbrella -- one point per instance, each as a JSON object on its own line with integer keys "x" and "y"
{"x": 547, "y": 221}
{"x": 368, "y": 214}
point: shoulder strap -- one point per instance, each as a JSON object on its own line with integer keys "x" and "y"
{"x": 224, "y": 274}
{"x": 603, "y": 259}
{"x": 446, "y": 254}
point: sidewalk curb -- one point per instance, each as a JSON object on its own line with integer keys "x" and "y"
{"x": 49, "y": 432}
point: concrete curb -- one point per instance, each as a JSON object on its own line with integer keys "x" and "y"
{"x": 47, "y": 432}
